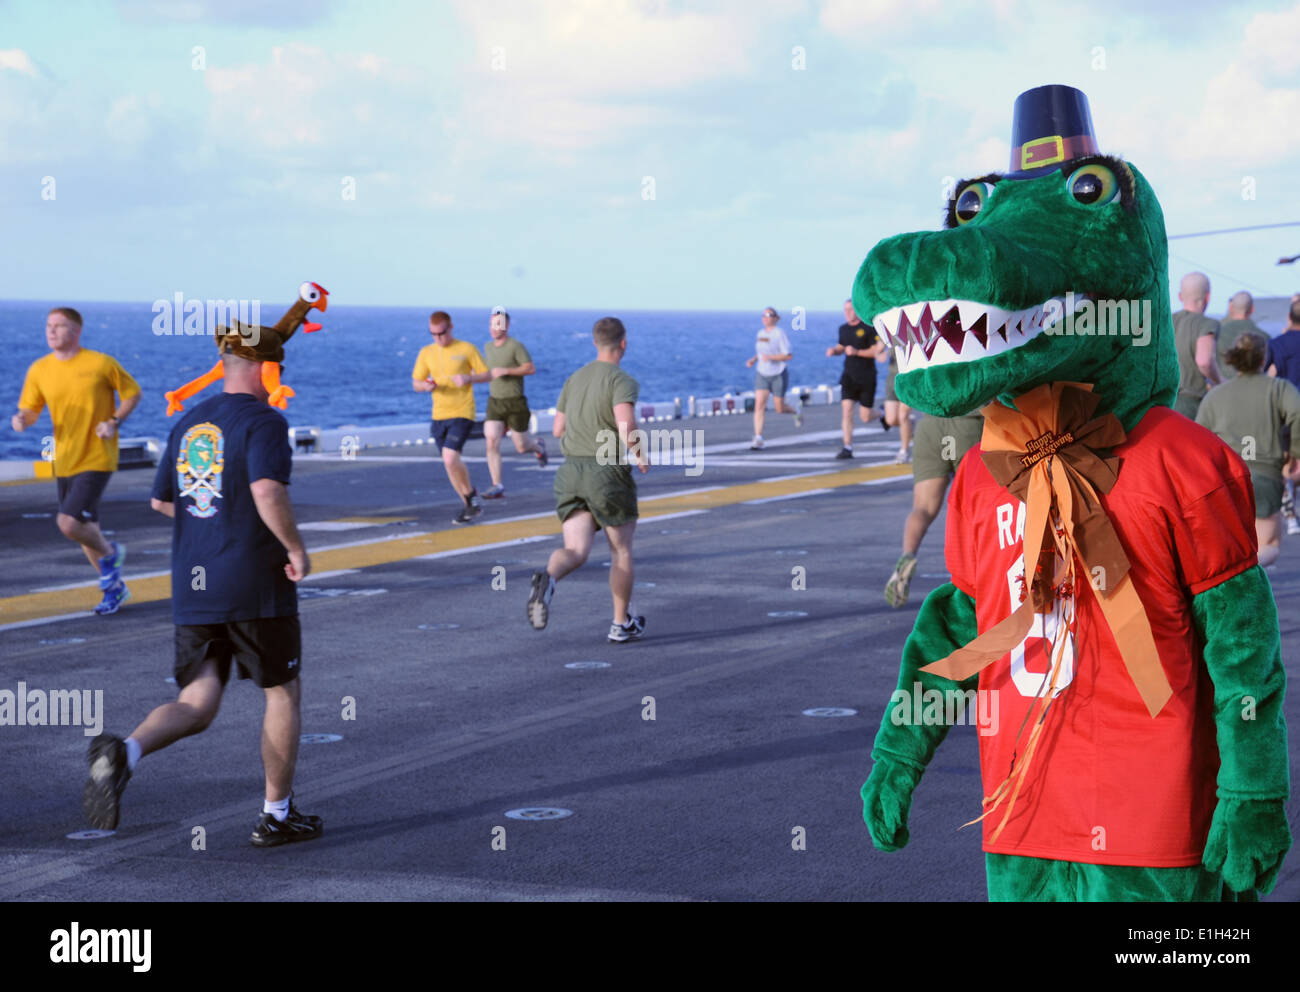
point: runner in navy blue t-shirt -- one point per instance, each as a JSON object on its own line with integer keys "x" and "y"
{"x": 236, "y": 554}
{"x": 1284, "y": 360}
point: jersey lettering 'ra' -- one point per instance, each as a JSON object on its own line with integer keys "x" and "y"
{"x": 1006, "y": 512}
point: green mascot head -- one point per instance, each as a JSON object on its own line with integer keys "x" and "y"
{"x": 1052, "y": 271}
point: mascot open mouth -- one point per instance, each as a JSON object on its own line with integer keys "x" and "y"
{"x": 938, "y": 332}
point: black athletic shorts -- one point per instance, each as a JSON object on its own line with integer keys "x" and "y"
{"x": 451, "y": 433}
{"x": 268, "y": 651}
{"x": 79, "y": 494}
{"x": 858, "y": 390}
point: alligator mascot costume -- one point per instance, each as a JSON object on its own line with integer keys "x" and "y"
{"x": 1140, "y": 751}
{"x": 259, "y": 344}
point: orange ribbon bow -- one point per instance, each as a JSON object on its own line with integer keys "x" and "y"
{"x": 1045, "y": 452}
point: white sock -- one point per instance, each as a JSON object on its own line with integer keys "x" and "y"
{"x": 279, "y": 810}
{"x": 132, "y": 753}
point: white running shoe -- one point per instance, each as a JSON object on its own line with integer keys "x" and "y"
{"x": 758, "y": 443}
{"x": 620, "y": 633}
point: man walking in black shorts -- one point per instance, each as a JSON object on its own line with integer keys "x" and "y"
{"x": 861, "y": 346}
{"x": 236, "y": 554}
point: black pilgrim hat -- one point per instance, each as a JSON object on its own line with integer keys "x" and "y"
{"x": 1050, "y": 125}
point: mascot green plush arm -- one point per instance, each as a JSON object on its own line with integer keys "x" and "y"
{"x": 1243, "y": 653}
{"x": 1044, "y": 302}
{"x": 902, "y": 750}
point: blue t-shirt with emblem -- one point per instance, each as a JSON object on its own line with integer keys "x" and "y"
{"x": 226, "y": 563}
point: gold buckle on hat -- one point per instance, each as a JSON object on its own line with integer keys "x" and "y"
{"x": 1030, "y": 148}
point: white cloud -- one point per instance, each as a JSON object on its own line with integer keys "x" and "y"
{"x": 611, "y": 46}
{"x": 564, "y": 75}
{"x": 946, "y": 22}
{"x": 1243, "y": 119}
{"x": 300, "y": 98}
{"x": 129, "y": 120}
{"x": 1243, "y": 116}
{"x": 16, "y": 60}
{"x": 282, "y": 13}
{"x": 1272, "y": 42}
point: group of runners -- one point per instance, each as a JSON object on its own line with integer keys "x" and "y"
{"x": 223, "y": 479}
{"x": 237, "y": 553}
{"x": 1242, "y": 385}
{"x": 449, "y": 369}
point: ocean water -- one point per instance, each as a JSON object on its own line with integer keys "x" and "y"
{"x": 357, "y": 369}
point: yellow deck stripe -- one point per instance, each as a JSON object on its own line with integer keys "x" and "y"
{"x": 36, "y": 605}
{"x": 369, "y": 520}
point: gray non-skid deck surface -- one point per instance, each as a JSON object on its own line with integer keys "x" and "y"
{"x": 456, "y": 725}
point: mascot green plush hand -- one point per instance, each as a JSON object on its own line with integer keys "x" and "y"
{"x": 1129, "y": 681}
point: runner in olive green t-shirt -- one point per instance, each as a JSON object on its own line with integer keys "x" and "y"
{"x": 508, "y": 361}
{"x": 1189, "y": 330}
{"x": 1194, "y": 338}
{"x": 1249, "y": 414}
{"x": 595, "y": 420}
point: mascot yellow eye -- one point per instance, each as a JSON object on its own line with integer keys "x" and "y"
{"x": 1093, "y": 184}
{"x": 969, "y": 202}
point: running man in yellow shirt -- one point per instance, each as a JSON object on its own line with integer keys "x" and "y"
{"x": 78, "y": 385}
{"x": 449, "y": 368}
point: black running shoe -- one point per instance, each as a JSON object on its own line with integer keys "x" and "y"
{"x": 108, "y": 777}
{"x": 543, "y": 459}
{"x": 271, "y": 832}
{"x": 845, "y": 453}
{"x": 539, "y": 600}
{"x": 468, "y": 512}
{"x": 620, "y": 633}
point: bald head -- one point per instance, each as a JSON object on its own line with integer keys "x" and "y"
{"x": 1241, "y": 305}
{"x": 1194, "y": 291}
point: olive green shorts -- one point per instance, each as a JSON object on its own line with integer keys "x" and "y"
{"x": 607, "y": 492}
{"x": 890, "y": 395}
{"x": 1268, "y": 494}
{"x": 940, "y": 443}
{"x": 513, "y": 411}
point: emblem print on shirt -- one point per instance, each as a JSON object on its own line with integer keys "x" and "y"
{"x": 198, "y": 468}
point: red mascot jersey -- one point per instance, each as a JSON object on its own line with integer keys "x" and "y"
{"x": 1108, "y": 784}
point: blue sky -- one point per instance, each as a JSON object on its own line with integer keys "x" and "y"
{"x": 499, "y": 150}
